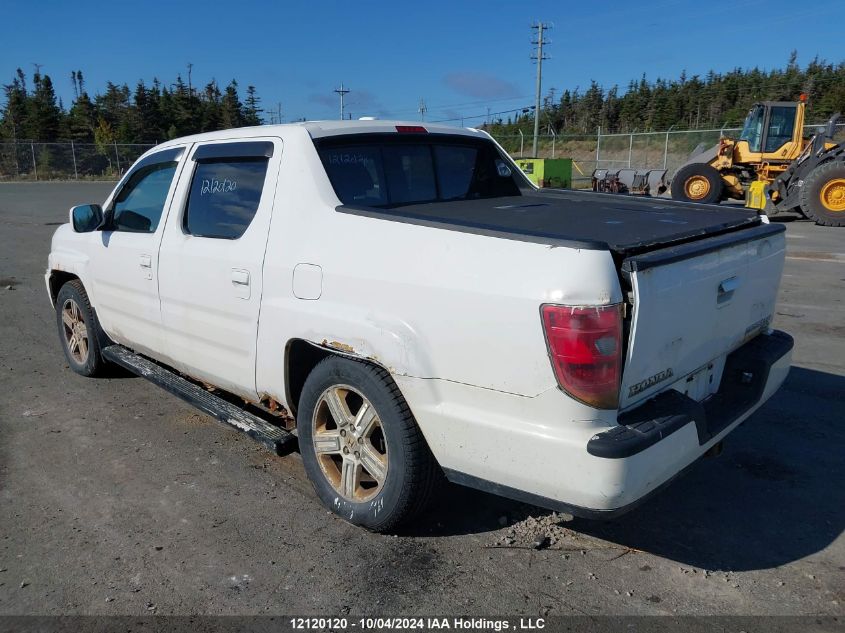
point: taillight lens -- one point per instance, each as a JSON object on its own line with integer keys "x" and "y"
{"x": 411, "y": 129}
{"x": 585, "y": 346}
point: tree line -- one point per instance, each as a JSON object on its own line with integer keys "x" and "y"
{"x": 147, "y": 114}
{"x": 714, "y": 101}
{"x": 153, "y": 113}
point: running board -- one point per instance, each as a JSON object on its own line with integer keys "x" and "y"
{"x": 273, "y": 437}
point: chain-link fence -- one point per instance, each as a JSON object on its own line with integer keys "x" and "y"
{"x": 28, "y": 160}
{"x": 581, "y": 148}
{"x": 641, "y": 150}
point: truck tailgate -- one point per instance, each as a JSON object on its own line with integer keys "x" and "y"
{"x": 696, "y": 302}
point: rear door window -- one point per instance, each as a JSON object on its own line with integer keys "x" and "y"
{"x": 224, "y": 197}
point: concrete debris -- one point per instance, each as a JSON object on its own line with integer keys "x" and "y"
{"x": 541, "y": 541}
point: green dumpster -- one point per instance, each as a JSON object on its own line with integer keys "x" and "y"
{"x": 547, "y": 172}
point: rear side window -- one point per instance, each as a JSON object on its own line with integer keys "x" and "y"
{"x": 224, "y": 197}
{"x": 392, "y": 170}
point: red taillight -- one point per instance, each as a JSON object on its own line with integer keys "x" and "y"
{"x": 585, "y": 345}
{"x": 411, "y": 129}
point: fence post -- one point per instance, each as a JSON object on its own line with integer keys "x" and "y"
{"x": 117, "y": 159}
{"x": 666, "y": 148}
{"x": 73, "y": 155}
{"x": 598, "y": 146}
{"x": 34, "y": 166}
{"x": 630, "y": 148}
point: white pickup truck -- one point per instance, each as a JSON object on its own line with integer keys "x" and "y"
{"x": 404, "y": 303}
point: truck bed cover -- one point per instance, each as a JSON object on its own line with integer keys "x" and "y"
{"x": 579, "y": 219}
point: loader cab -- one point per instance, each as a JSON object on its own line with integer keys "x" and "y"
{"x": 772, "y": 133}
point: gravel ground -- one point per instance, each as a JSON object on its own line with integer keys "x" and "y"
{"x": 117, "y": 498}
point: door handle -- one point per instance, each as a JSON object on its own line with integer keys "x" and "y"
{"x": 728, "y": 285}
{"x": 240, "y": 283}
{"x": 240, "y": 277}
{"x": 147, "y": 266}
{"x": 726, "y": 289}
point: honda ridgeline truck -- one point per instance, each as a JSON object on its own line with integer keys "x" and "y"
{"x": 404, "y": 303}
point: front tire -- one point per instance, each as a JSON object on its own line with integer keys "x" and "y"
{"x": 823, "y": 194}
{"x": 698, "y": 182}
{"x": 361, "y": 447}
{"x": 79, "y": 330}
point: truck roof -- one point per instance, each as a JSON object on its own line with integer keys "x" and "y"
{"x": 318, "y": 129}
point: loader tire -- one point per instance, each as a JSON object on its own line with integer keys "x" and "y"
{"x": 698, "y": 182}
{"x": 823, "y": 194}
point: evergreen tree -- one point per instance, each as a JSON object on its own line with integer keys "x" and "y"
{"x": 43, "y": 118}
{"x": 232, "y": 114}
{"x": 252, "y": 107}
{"x": 15, "y": 109}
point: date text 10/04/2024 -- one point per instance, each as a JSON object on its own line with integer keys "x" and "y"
{"x": 418, "y": 624}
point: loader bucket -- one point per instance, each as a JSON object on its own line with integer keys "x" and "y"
{"x": 657, "y": 182}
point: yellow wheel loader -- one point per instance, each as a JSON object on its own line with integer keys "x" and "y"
{"x": 771, "y": 166}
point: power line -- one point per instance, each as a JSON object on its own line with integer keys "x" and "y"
{"x": 487, "y": 114}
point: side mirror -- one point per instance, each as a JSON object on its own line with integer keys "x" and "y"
{"x": 86, "y": 217}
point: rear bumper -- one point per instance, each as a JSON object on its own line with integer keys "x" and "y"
{"x": 596, "y": 469}
{"x": 744, "y": 381}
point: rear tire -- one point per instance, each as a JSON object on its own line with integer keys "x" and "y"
{"x": 823, "y": 194}
{"x": 79, "y": 331}
{"x": 698, "y": 182}
{"x": 361, "y": 447}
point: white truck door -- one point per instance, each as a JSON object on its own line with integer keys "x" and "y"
{"x": 124, "y": 255}
{"x": 211, "y": 261}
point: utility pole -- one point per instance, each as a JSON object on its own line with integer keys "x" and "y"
{"x": 539, "y": 57}
{"x": 341, "y": 91}
{"x": 422, "y": 109}
{"x": 190, "y": 88}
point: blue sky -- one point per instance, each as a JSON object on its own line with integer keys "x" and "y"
{"x": 461, "y": 57}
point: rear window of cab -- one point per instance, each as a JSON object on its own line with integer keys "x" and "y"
{"x": 388, "y": 170}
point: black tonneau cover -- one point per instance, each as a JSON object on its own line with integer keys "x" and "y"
{"x": 626, "y": 225}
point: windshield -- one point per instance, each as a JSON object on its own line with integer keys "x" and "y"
{"x": 781, "y": 125}
{"x": 387, "y": 170}
{"x": 752, "y": 131}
